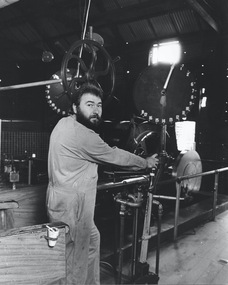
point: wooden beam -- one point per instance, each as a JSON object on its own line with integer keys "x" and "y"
{"x": 138, "y": 12}
{"x": 5, "y": 3}
{"x": 204, "y": 14}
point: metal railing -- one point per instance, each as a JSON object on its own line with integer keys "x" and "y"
{"x": 144, "y": 179}
{"x": 179, "y": 181}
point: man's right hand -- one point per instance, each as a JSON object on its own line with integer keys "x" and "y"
{"x": 152, "y": 161}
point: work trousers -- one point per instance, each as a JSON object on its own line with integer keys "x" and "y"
{"x": 85, "y": 258}
{"x": 83, "y": 238}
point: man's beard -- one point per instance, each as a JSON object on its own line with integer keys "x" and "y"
{"x": 91, "y": 124}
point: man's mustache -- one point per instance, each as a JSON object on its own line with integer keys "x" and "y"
{"x": 95, "y": 117}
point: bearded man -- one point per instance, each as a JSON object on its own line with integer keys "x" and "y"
{"x": 75, "y": 151}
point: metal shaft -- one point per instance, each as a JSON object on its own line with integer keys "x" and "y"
{"x": 32, "y": 84}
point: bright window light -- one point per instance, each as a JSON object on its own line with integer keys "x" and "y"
{"x": 169, "y": 52}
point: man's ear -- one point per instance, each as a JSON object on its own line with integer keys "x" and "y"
{"x": 74, "y": 108}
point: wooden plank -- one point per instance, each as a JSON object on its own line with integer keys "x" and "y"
{"x": 8, "y": 205}
{"x": 31, "y": 206}
{"x": 195, "y": 258}
{"x": 222, "y": 277}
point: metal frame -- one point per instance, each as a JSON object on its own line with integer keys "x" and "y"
{"x": 215, "y": 194}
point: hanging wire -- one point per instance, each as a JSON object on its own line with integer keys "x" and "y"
{"x": 84, "y": 28}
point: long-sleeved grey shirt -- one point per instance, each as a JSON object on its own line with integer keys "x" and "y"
{"x": 75, "y": 152}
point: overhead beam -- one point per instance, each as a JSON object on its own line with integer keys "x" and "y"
{"x": 186, "y": 39}
{"x": 4, "y": 3}
{"x": 204, "y": 14}
{"x": 137, "y": 12}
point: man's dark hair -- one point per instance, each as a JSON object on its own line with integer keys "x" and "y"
{"x": 88, "y": 87}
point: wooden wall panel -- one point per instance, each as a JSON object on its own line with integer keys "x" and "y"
{"x": 31, "y": 206}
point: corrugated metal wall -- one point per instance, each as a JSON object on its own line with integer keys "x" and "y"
{"x": 20, "y": 139}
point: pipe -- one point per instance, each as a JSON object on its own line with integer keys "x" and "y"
{"x": 177, "y": 208}
{"x": 215, "y": 195}
{"x": 32, "y": 84}
{"x": 160, "y": 212}
{"x": 167, "y": 197}
{"x": 121, "y": 242}
{"x": 29, "y": 171}
{"x": 134, "y": 243}
{"x": 125, "y": 182}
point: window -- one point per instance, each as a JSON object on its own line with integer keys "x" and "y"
{"x": 169, "y": 52}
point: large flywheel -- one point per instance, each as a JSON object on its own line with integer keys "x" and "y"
{"x": 163, "y": 95}
{"x": 172, "y": 106}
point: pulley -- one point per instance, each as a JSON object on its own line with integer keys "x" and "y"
{"x": 94, "y": 64}
{"x": 188, "y": 163}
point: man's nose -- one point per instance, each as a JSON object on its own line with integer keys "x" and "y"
{"x": 96, "y": 110}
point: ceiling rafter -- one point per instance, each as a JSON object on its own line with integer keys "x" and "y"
{"x": 33, "y": 24}
{"x": 138, "y": 12}
{"x": 206, "y": 15}
{"x": 113, "y": 28}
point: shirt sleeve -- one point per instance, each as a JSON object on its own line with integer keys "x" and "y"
{"x": 96, "y": 150}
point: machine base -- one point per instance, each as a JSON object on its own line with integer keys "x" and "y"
{"x": 144, "y": 276}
